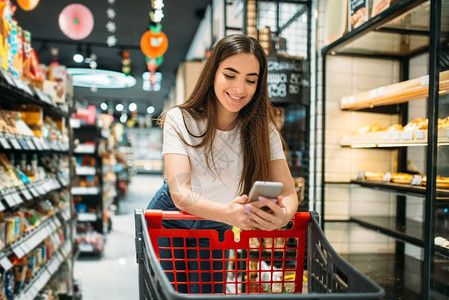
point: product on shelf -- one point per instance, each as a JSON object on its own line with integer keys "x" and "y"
{"x": 401, "y": 178}
{"x": 442, "y": 182}
{"x": 374, "y": 176}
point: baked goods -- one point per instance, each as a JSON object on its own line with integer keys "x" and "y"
{"x": 393, "y": 128}
{"x": 401, "y": 178}
{"x": 374, "y": 176}
{"x": 442, "y": 182}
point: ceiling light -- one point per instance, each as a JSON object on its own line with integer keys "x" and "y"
{"x": 132, "y": 107}
{"x": 102, "y": 79}
{"x": 150, "y": 109}
{"x": 103, "y": 106}
{"x": 123, "y": 118}
{"x": 78, "y": 58}
{"x": 119, "y": 107}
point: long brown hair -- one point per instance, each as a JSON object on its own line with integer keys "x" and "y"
{"x": 254, "y": 119}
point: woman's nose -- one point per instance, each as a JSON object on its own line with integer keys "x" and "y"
{"x": 239, "y": 86}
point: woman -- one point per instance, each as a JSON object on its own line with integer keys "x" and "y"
{"x": 216, "y": 145}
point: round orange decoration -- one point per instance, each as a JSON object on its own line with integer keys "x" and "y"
{"x": 28, "y": 4}
{"x": 153, "y": 44}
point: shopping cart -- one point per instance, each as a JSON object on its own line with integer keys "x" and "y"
{"x": 256, "y": 264}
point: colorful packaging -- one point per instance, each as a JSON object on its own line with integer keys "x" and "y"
{"x": 26, "y": 36}
{"x": 4, "y": 33}
{"x": 13, "y": 49}
{"x": 18, "y": 58}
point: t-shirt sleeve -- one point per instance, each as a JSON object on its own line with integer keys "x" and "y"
{"x": 172, "y": 143}
{"x": 276, "y": 150}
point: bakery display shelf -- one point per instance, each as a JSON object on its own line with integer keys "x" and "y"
{"x": 40, "y": 279}
{"x": 400, "y": 188}
{"x": 17, "y": 91}
{"x": 393, "y": 139}
{"x": 416, "y": 88}
{"x": 382, "y": 35}
{"x": 409, "y": 231}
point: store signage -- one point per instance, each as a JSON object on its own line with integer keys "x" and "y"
{"x": 286, "y": 78}
{"x": 358, "y": 13}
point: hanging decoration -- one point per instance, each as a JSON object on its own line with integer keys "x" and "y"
{"x": 154, "y": 44}
{"x": 28, "y": 4}
{"x": 111, "y": 40}
{"x": 76, "y": 21}
{"x": 126, "y": 62}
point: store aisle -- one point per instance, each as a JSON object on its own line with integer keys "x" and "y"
{"x": 114, "y": 276}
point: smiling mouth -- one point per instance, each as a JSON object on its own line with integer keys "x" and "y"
{"x": 234, "y": 98}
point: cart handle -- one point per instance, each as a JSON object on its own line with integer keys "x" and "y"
{"x": 155, "y": 216}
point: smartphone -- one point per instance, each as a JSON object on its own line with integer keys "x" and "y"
{"x": 267, "y": 189}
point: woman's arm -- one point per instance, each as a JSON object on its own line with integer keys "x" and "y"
{"x": 286, "y": 205}
{"x": 177, "y": 170}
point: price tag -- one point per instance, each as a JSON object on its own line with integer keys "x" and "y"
{"x": 26, "y": 194}
{"x": 9, "y": 200}
{"x": 5, "y": 263}
{"x": 4, "y": 143}
{"x": 419, "y": 134}
{"x": 387, "y": 177}
{"x": 416, "y": 180}
{"x": 30, "y": 144}
{"x": 424, "y": 80}
{"x": 385, "y": 136}
{"x": 37, "y": 143}
{"x": 33, "y": 191}
{"x": 396, "y": 136}
{"x": 360, "y": 175}
{"x": 23, "y": 144}
{"x": 86, "y": 247}
{"x": 14, "y": 143}
{"x": 8, "y": 78}
{"x": 406, "y": 135}
{"x": 18, "y": 251}
{"x": 17, "y": 198}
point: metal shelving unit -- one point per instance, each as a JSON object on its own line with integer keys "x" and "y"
{"x": 431, "y": 36}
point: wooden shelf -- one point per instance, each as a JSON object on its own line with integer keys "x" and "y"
{"x": 395, "y": 139}
{"x": 397, "y": 93}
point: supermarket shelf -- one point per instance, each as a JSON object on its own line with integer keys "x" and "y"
{"x": 30, "y": 143}
{"x": 81, "y": 191}
{"x": 397, "y": 93}
{"x": 85, "y": 170}
{"x": 85, "y": 149}
{"x": 25, "y": 245}
{"x": 14, "y": 197}
{"x": 400, "y": 188}
{"x": 17, "y": 91}
{"x": 45, "y": 274}
{"x": 87, "y": 217}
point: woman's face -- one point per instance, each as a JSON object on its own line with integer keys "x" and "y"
{"x": 236, "y": 82}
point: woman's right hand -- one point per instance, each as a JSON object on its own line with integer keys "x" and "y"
{"x": 236, "y": 214}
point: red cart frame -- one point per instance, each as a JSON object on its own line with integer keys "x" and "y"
{"x": 264, "y": 262}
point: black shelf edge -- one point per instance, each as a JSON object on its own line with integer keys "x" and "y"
{"x": 408, "y": 231}
{"x": 384, "y": 17}
{"x": 399, "y": 188}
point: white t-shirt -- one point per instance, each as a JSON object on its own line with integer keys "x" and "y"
{"x": 222, "y": 185}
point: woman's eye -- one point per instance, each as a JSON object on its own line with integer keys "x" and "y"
{"x": 229, "y": 76}
{"x": 251, "y": 81}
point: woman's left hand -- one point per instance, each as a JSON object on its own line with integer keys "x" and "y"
{"x": 273, "y": 218}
